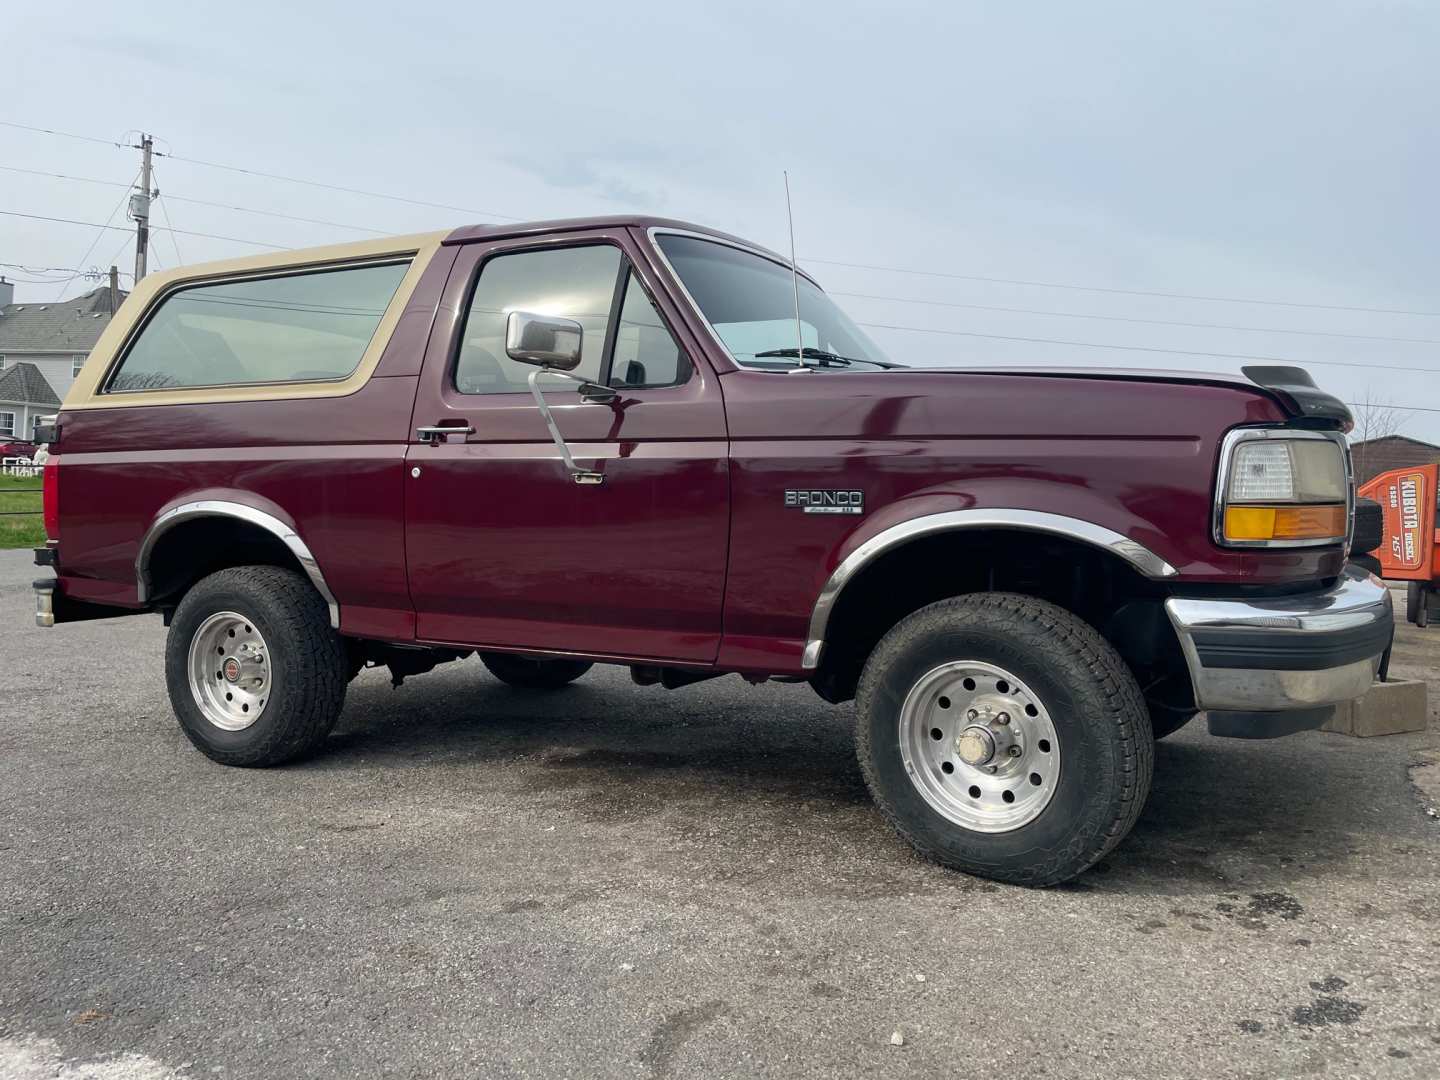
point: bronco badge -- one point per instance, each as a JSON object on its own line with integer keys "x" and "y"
{"x": 825, "y": 501}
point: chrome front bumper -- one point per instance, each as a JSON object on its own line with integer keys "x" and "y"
{"x": 1285, "y": 653}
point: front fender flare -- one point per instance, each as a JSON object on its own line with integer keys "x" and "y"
{"x": 1136, "y": 554}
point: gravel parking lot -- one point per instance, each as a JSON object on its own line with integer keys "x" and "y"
{"x": 617, "y": 881}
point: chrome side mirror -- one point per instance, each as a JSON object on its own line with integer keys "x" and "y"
{"x": 543, "y": 340}
{"x": 552, "y": 345}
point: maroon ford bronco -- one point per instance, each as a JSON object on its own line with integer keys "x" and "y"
{"x": 612, "y": 441}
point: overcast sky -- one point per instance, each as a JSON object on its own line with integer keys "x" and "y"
{"x": 1283, "y": 152}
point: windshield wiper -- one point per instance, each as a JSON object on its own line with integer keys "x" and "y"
{"x": 810, "y": 353}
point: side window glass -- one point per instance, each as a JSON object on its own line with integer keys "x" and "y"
{"x": 303, "y": 327}
{"x": 573, "y": 283}
{"x": 645, "y": 352}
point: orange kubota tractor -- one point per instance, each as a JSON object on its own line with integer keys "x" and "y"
{"x": 1410, "y": 550}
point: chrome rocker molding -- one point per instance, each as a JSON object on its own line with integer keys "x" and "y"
{"x": 1137, "y": 555}
{"x": 219, "y": 508}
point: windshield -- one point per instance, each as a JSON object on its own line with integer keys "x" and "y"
{"x": 750, "y": 303}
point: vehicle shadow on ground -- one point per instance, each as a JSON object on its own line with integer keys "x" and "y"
{"x": 1217, "y": 808}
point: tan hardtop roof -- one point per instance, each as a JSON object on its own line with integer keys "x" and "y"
{"x": 357, "y": 249}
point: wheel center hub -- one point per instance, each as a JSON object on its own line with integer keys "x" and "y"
{"x": 975, "y": 746}
{"x": 231, "y": 668}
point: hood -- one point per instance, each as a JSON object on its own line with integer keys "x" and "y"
{"x": 1291, "y": 388}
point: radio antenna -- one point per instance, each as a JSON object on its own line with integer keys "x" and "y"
{"x": 794, "y": 277}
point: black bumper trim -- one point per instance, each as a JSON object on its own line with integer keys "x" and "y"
{"x": 1266, "y": 725}
{"x": 47, "y": 556}
{"x": 1271, "y": 650}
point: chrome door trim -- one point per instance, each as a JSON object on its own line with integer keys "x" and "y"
{"x": 222, "y": 508}
{"x": 1136, "y": 554}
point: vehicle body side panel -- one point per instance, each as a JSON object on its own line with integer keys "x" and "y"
{"x": 1118, "y": 454}
{"x": 331, "y": 468}
{"x": 505, "y": 550}
{"x": 328, "y": 466}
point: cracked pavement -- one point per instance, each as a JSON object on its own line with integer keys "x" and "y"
{"x": 624, "y": 881}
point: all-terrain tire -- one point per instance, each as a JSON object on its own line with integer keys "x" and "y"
{"x": 529, "y": 673}
{"x": 1099, "y": 717}
{"x": 306, "y": 665}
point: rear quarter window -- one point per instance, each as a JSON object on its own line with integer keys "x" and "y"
{"x": 300, "y": 327}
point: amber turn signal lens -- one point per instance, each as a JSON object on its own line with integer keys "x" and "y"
{"x": 1284, "y": 522}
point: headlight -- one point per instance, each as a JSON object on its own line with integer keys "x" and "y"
{"x": 1282, "y": 488}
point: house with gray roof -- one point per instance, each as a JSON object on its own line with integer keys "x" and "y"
{"x": 52, "y": 338}
{"x": 24, "y": 396}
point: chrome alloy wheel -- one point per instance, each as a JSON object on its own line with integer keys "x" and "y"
{"x": 979, "y": 746}
{"x": 229, "y": 670}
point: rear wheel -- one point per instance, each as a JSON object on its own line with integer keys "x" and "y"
{"x": 255, "y": 673}
{"x": 529, "y": 673}
{"x": 1002, "y": 736}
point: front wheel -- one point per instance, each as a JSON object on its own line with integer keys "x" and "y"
{"x": 256, "y": 674}
{"x": 1166, "y": 720}
{"x": 529, "y": 673}
{"x": 1004, "y": 737}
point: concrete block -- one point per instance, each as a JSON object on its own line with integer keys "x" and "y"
{"x": 1387, "y": 708}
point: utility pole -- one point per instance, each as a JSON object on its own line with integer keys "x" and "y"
{"x": 140, "y": 207}
{"x": 114, "y": 288}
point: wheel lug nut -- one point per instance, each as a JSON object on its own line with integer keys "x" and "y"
{"x": 1015, "y": 751}
{"x": 971, "y": 715}
{"x": 1003, "y": 718}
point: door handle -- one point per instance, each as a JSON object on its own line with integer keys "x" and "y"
{"x": 435, "y": 434}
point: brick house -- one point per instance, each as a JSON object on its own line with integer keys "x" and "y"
{"x": 1375, "y": 456}
{"x": 52, "y": 340}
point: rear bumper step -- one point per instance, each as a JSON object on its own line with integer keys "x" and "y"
{"x": 53, "y": 607}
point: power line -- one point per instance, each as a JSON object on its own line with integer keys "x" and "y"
{"x": 63, "y": 176}
{"x": 825, "y": 262}
{"x": 201, "y": 202}
{"x": 1123, "y": 292}
{"x": 282, "y": 217}
{"x": 96, "y": 239}
{"x": 1383, "y": 405}
{"x": 62, "y": 134}
{"x": 1147, "y": 348}
{"x": 122, "y": 228}
{"x": 1146, "y": 322}
{"x": 337, "y": 187}
{"x": 165, "y": 210}
{"x": 20, "y": 279}
{"x": 28, "y": 269}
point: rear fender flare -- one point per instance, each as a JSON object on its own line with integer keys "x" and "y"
{"x": 221, "y": 508}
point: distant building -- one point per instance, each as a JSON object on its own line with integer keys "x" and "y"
{"x": 53, "y": 338}
{"x": 24, "y": 395}
{"x": 1375, "y": 456}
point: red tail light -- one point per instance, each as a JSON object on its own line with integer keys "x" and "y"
{"x": 51, "y": 499}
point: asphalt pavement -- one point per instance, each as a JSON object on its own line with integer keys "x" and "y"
{"x": 624, "y": 881}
